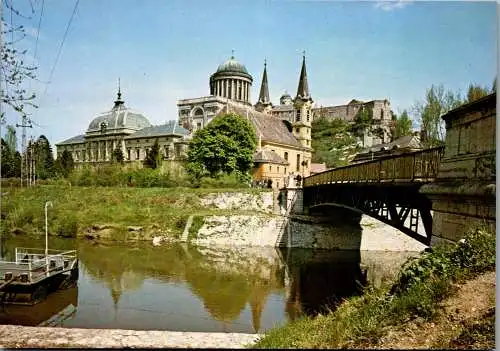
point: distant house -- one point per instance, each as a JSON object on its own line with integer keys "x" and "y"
{"x": 408, "y": 143}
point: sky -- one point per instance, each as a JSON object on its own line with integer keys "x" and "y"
{"x": 165, "y": 50}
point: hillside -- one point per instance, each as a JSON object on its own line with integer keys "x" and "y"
{"x": 333, "y": 143}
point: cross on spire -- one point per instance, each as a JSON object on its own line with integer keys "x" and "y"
{"x": 119, "y": 100}
{"x": 232, "y": 53}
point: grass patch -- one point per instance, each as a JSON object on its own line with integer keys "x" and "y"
{"x": 422, "y": 283}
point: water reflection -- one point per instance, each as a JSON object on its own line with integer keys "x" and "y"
{"x": 176, "y": 287}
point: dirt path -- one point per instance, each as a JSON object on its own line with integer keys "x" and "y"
{"x": 13, "y": 336}
{"x": 473, "y": 300}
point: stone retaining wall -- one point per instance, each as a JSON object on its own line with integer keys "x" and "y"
{"x": 305, "y": 232}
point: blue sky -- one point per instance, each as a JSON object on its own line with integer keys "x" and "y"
{"x": 165, "y": 50}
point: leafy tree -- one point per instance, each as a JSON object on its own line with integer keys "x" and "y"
{"x": 494, "y": 86}
{"x": 153, "y": 156}
{"x": 437, "y": 102}
{"x": 332, "y": 142}
{"x": 65, "y": 163}
{"x": 117, "y": 155}
{"x": 226, "y": 145}
{"x": 476, "y": 92}
{"x": 403, "y": 126}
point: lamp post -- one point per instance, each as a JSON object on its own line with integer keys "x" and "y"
{"x": 48, "y": 203}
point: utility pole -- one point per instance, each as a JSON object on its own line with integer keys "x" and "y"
{"x": 25, "y": 123}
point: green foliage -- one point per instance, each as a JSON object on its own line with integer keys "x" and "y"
{"x": 65, "y": 163}
{"x": 332, "y": 142}
{"x": 403, "y": 126}
{"x": 67, "y": 226}
{"x": 231, "y": 181}
{"x": 476, "y": 92}
{"x": 44, "y": 158}
{"x": 224, "y": 146}
{"x": 362, "y": 121}
{"x": 153, "y": 156}
{"x": 117, "y": 155}
{"x": 474, "y": 255}
{"x": 437, "y": 102}
{"x": 420, "y": 287}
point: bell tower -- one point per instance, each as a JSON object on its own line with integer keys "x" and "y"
{"x": 302, "y": 109}
{"x": 264, "y": 103}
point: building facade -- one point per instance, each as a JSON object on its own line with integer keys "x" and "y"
{"x": 127, "y": 130}
{"x": 284, "y": 146}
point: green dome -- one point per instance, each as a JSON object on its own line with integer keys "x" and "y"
{"x": 232, "y": 66}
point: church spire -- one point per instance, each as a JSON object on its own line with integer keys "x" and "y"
{"x": 119, "y": 100}
{"x": 264, "y": 88}
{"x": 264, "y": 103}
{"x": 303, "y": 88}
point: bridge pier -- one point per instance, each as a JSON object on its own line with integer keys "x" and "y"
{"x": 463, "y": 195}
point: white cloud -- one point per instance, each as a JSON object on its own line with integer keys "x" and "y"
{"x": 392, "y": 5}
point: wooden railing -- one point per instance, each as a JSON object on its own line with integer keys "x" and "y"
{"x": 420, "y": 166}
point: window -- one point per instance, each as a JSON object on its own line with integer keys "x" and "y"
{"x": 308, "y": 115}
{"x": 298, "y": 163}
{"x": 285, "y": 170}
{"x": 239, "y": 93}
{"x": 198, "y": 125}
{"x": 278, "y": 169}
{"x": 128, "y": 154}
{"x": 381, "y": 114}
{"x": 297, "y": 130}
{"x": 230, "y": 90}
{"x": 137, "y": 154}
{"x": 270, "y": 168}
{"x": 167, "y": 152}
{"x": 286, "y": 156}
{"x": 297, "y": 116}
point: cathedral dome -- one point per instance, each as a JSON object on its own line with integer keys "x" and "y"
{"x": 285, "y": 99}
{"x": 232, "y": 67}
{"x": 118, "y": 118}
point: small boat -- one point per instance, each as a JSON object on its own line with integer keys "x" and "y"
{"x": 35, "y": 273}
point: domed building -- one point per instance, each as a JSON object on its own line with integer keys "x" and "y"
{"x": 127, "y": 130}
{"x": 284, "y": 144}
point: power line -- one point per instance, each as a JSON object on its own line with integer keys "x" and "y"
{"x": 38, "y": 32}
{"x": 60, "y": 49}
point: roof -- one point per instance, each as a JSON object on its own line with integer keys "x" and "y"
{"x": 74, "y": 140}
{"x": 405, "y": 142}
{"x": 232, "y": 66}
{"x": 171, "y": 128}
{"x": 119, "y": 117}
{"x": 318, "y": 167}
{"x": 268, "y": 156}
{"x": 283, "y": 108}
{"x": 269, "y": 128}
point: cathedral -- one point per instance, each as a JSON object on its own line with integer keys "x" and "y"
{"x": 284, "y": 145}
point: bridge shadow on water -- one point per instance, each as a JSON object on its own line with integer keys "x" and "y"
{"x": 321, "y": 279}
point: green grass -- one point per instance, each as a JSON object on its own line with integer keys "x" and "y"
{"x": 77, "y": 209}
{"x": 421, "y": 285}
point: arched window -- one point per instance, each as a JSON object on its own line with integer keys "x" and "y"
{"x": 286, "y": 156}
{"x": 297, "y": 116}
{"x": 308, "y": 115}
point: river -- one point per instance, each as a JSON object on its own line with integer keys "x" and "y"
{"x": 178, "y": 287}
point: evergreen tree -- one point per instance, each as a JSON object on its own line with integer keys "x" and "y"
{"x": 403, "y": 126}
{"x": 7, "y": 160}
{"x": 65, "y": 163}
{"x": 44, "y": 158}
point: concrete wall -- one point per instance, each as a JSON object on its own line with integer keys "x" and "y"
{"x": 463, "y": 196}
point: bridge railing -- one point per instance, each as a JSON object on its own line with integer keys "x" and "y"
{"x": 419, "y": 166}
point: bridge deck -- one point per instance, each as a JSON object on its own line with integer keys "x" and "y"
{"x": 421, "y": 166}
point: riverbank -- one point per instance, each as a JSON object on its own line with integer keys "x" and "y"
{"x": 13, "y": 336}
{"x": 204, "y": 217}
{"x": 445, "y": 299}
{"x": 120, "y": 213}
